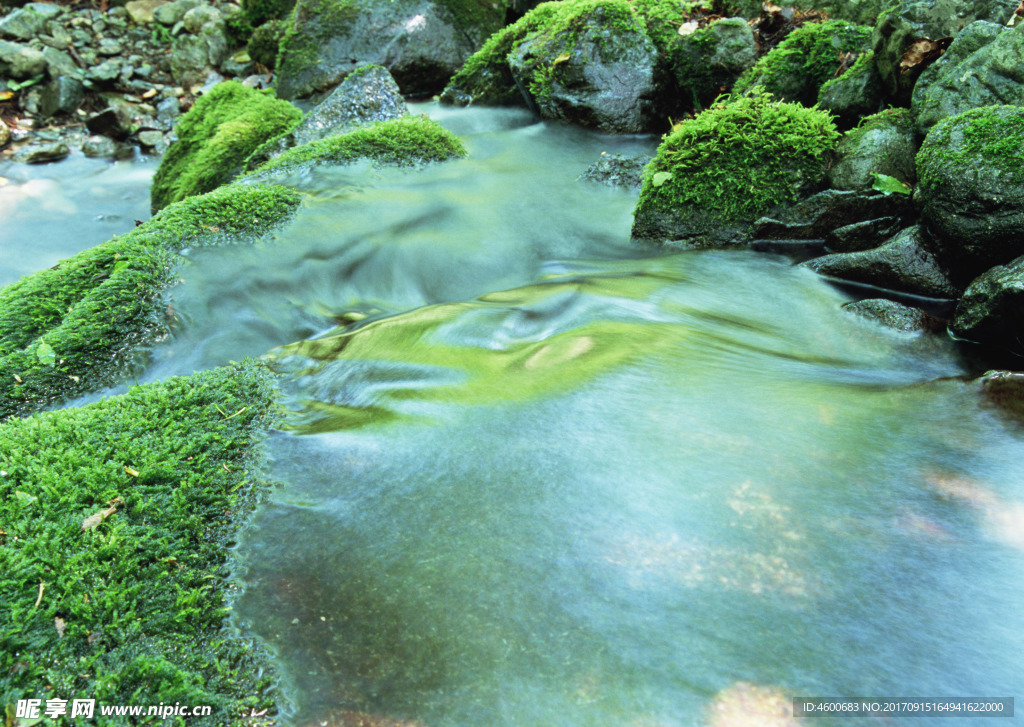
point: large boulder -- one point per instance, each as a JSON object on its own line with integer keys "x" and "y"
{"x": 591, "y": 64}
{"x": 718, "y": 172}
{"x": 883, "y": 144}
{"x": 992, "y": 308}
{"x": 797, "y": 68}
{"x": 971, "y": 172}
{"x": 984, "y": 66}
{"x": 908, "y": 21}
{"x": 214, "y": 139}
{"x": 906, "y": 264}
{"x": 421, "y": 42}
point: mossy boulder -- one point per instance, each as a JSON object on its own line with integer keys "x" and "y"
{"x": 908, "y": 21}
{"x": 264, "y": 42}
{"x": 857, "y": 93}
{"x": 992, "y": 308}
{"x": 214, "y": 139}
{"x": 591, "y": 64}
{"x": 971, "y": 181}
{"x": 885, "y": 143}
{"x": 797, "y": 68}
{"x": 984, "y": 66}
{"x": 84, "y": 323}
{"x": 117, "y": 521}
{"x": 421, "y": 42}
{"x": 258, "y": 12}
{"x": 485, "y": 78}
{"x": 407, "y": 141}
{"x": 707, "y": 62}
{"x": 718, "y": 172}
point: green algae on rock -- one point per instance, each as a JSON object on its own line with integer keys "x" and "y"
{"x": 971, "y": 178}
{"x": 80, "y": 325}
{"x": 116, "y": 521}
{"x": 405, "y": 141}
{"x": 855, "y": 94}
{"x": 214, "y": 139}
{"x": 800, "y": 65}
{"x": 736, "y": 161}
{"x": 710, "y": 59}
{"x": 884, "y": 143}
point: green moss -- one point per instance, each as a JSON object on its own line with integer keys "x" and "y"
{"x": 739, "y": 159}
{"x": 862, "y": 65}
{"x": 801, "y": 64}
{"x": 300, "y": 51}
{"x": 662, "y": 19}
{"x": 898, "y": 117}
{"x": 263, "y": 45}
{"x": 485, "y": 77}
{"x": 259, "y": 12}
{"x": 79, "y": 325}
{"x": 404, "y": 142}
{"x": 991, "y": 135}
{"x": 131, "y": 612}
{"x": 215, "y": 137}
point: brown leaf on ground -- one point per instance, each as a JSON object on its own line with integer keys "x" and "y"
{"x": 93, "y": 521}
{"x": 60, "y": 624}
{"x": 922, "y": 52}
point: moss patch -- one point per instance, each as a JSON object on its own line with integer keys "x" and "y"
{"x": 403, "y": 142}
{"x": 77, "y": 326}
{"x": 300, "y": 50}
{"x": 214, "y": 139}
{"x": 991, "y": 137}
{"x": 263, "y": 45}
{"x": 796, "y": 69}
{"x": 258, "y": 12}
{"x": 739, "y": 159}
{"x": 132, "y": 611}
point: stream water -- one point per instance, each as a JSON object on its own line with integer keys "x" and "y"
{"x": 534, "y": 475}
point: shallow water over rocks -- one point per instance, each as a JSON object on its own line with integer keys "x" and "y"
{"x": 534, "y": 475}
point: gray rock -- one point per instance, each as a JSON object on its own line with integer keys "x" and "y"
{"x": 109, "y": 47}
{"x": 971, "y": 172}
{"x": 61, "y": 96}
{"x": 173, "y": 12}
{"x": 41, "y": 153}
{"x": 420, "y": 42}
{"x": 19, "y": 61}
{"x": 141, "y": 11}
{"x": 106, "y": 71}
{"x": 863, "y": 235}
{"x": 190, "y": 60}
{"x": 58, "y": 37}
{"x": 200, "y": 15}
{"x": 47, "y": 10}
{"x": 99, "y": 146}
{"x": 168, "y": 110}
{"x": 817, "y": 216}
{"x": 617, "y": 171}
{"x": 23, "y": 24}
{"x": 596, "y": 71}
{"x": 992, "y": 308}
{"x": 984, "y": 66}
{"x": 855, "y": 94}
{"x": 114, "y": 122}
{"x": 909, "y": 20}
{"x": 151, "y": 138}
{"x": 895, "y": 315}
{"x": 5, "y": 134}
{"x": 904, "y": 264}
{"x": 883, "y": 144}
{"x": 59, "y": 63}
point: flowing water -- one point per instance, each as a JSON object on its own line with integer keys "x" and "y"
{"x": 534, "y": 475}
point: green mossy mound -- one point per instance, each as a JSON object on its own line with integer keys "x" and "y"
{"x": 730, "y": 164}
{"x": 406, "y": 141}
{"x": 78, "y": 326}
{"x": 799, "y": 66}
{"x": 131, "y": 611}
{"x": 214, "y": 139}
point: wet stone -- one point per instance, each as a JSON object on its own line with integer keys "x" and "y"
{"x": 151, "y": 138}
{"x": 895, "y": 315}
{"x": 23, "y": 24}
{"x": 42, "y": 153}
{"x": 105, "y": 71}
{"x": 617, "y": 171}
{"x": 61, "y": 96}
{"x": 109, "y": 47}
{"x": 863, "y": 235}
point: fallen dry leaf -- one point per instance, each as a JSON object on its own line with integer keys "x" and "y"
{"x": 131, "y": 471}
{"x": 922, "y": 52}
{"x": 60, "y": 624}
{"x": 93, "y": 521}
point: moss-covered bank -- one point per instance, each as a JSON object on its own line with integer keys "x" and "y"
{"x": 79, "y": 325}
{"x": 116, "y": 519}
{"x": 214, "y": 139}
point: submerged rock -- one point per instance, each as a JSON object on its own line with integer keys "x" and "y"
{"x": 717, "y": 173}
{"x": 617, "y": 171}
{"x": 214, "y": 139}
{"x": 984, "y": 66}
{"x": 905, "y": 264}
{"x": 992, "y": 308}
{"x": 885, "y": 143}
{"x": 971, "y": 171}
{"x": 421, "y": 42}
{"x": 591, "y": 64}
